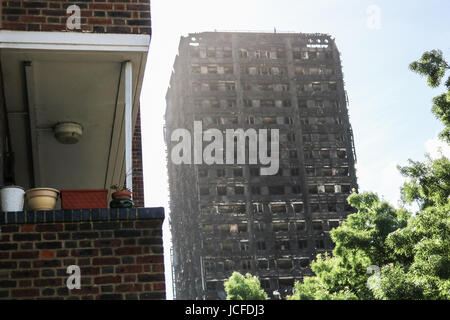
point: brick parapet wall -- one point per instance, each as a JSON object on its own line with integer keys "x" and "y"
{"x": 119, "y": 252}
{"x": 99, "y": 16}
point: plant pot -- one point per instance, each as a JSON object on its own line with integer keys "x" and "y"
{"x": 84, "y": 199}
{"x": 41, "y": 198}
{"x": 121, "y": 194}
{"x": 12, "y": 198}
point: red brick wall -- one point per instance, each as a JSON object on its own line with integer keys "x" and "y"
{"x": 138, "y": 174}
{"x": 111, "y": 16}
{"x": 120, "y": 257}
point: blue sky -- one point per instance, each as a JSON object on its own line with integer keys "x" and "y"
{"x": 389, "y": 105}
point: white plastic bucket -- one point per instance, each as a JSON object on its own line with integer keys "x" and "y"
{"x": 12, "y": 198}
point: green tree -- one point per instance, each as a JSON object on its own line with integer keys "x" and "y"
{"x": 239, "y": 287}
{"x": 429, "y": 182}
{"x": 433, "y": 66}
{"x": 360, "y": 242}
{"x": 411, "y": 253}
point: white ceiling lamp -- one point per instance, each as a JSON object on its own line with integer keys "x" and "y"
{"x": 68, "y": 132}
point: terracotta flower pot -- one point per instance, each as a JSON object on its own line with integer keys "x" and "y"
{"x": 121, "y": 194}
{"x": 41, "y": 198}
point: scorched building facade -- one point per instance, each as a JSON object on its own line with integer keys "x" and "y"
{"x": 227, "y": 218}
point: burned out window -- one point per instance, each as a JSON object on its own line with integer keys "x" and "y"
{"x": 291, "y": 137}
{"x": 248, "y": 103}
{"x": 238, "y": 172}
{"x": 312, "y": 189}
{"x": 227, "y": 53}
{"x": 317, "y": 225}
{"x": 246, "y": 264}
{"x": 204, "y": 191}
{"x": 212, "y": 69}
{"x": 295, "y": 172}
{"x": 239, "y": 190}
{"x": 207, "y": 228}
{"x": 288, "y": 120}
{"x": 259, "y": 226}
{"x": 203, "y": 173}
{"x": 244, "y": 246}
{"x": 287, "y": 103}
{"x": 310, "y": 170}
{"x": 265, "y": 87}
{"x": 263, "y": 264}
{"x": 304, "y": 262}
{"x": 301, "y": 225}
{"x": 315, "y": 207}
{"x": 228, "y": 69}
{"x": 221, "y": 190}
{"x": 327, "y": 172}
{"x": 332, "y": 207}
{"x": 302, "y": 104}
{"x": 261, "y": 245}
{"x": 257, "y": 207}
{"x": 278, "y": 208}
{"x": 307, "y": 138}
{"x": 316, "y": 86}
{"x": 242, "y": 227}
{"x": 293, "y": 154}
{"x": 265, "y": 284}
{"x": 278, "y": 226}
{"x": 209, "y": 266}
{"x": 267, "y": 103}
{"x": 303, "y": 244}
{"x": 211, "y": 285}
{"x": 256, "y": 190}
{"x": 195, "y": 69}
{"x": 296, "y": 189}
{"x": 345, "y": 188}
{"x": 320, "y": 244}
{"x": 220, "y": 173}
{"x": 333, "y": 224}
{"x": 284, "y": 264}
{"x": 229, "y": 265}
{"x": 282, "y": 245}
{"x": 341, "y": 154}
{"x": 329, "y": 188}
{"x": 254, "y": 172}
{"x": 214, "y": 103}
{"x": 297, "y": 54}
{"x": 332, "y": 86}
{"x": 276, "y": 190}
{"x": 298, "y": 207}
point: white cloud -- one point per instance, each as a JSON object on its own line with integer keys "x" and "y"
{"x": 436, "y": 148}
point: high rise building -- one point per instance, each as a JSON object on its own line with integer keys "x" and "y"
{"x": 230, "y": 217}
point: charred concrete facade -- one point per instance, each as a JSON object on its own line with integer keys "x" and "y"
{"x": 227, "y": 218}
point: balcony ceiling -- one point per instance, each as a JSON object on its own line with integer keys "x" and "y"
{"x": 86, "y": 87}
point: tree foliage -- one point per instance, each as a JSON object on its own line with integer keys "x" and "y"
{"x": 410, "y": 253}
{"x": 239, "y": 287}
{"x": 433, "y": 66}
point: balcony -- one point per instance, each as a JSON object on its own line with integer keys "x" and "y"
{"x": 90, "y": 75}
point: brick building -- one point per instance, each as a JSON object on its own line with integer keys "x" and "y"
{"x": 81, "y": 62}
{"x": 227, "y": 218}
